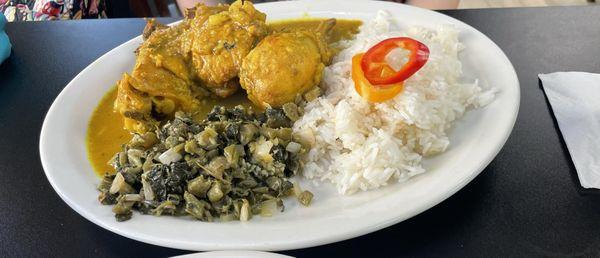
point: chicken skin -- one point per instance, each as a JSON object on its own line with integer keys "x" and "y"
{"x": 286, "y": 64}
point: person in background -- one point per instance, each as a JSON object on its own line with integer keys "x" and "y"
{"x": 44, "y": 10}
{"x": 48, "y": 10}
{"x": 430, "y": 4}
{"x": 88, "y": 9}
{"x": 15, "y": 10}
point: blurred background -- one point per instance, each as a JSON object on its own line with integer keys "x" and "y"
{"x": 40, "y": 10}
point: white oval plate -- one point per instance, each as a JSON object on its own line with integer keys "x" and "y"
{"x": 476, "y": 140}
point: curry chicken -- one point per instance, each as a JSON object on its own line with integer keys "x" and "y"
{"x": 210, "y": 54}
{"x": 178, "y": 66}
{"x": 286, "y": 64}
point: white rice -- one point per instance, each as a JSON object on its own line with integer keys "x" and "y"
{"x": 360, "y": 146}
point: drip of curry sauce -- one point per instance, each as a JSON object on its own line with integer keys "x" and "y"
{"x": 106, "y": 134}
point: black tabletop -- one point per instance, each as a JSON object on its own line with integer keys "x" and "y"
{"x": 525, "y": 203}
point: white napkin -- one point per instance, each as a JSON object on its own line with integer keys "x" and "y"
{"x": 575, "y": 100}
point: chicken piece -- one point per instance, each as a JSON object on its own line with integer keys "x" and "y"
{"x": 161, "y": 79}
{"x": 286, "y": 64}
{"x": 221, "y": 41}
{"x": 164, "y": 52}
{"x": 151, "y": 26}
{"x": 134, "y": 105}
{"x": 176, "y": 65}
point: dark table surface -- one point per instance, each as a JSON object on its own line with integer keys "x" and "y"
{"x": 526, "y": 203}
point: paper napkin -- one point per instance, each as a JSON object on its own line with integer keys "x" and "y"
{"x": 575, "y": 100}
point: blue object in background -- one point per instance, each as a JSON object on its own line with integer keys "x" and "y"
{"x": 4, "y": 42}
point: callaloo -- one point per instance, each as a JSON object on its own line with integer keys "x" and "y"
{"x": 232, "y": 165}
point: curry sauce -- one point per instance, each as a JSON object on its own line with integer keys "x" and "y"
{"x": 343, "y": 29}
{"x": 106, "y": 132}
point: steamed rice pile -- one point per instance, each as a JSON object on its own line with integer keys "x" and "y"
{"x": 358, "y": 145}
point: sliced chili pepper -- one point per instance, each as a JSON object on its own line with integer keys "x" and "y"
{"x": 378, "y": 72}
{"x": 372, "y": 93}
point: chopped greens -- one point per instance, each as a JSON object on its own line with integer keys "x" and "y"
{"x": 232, "y": 165}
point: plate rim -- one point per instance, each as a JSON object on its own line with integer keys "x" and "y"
{"x": 330, "y": 238}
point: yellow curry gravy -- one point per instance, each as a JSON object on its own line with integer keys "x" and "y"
{"x": 343, "y": 29}
{"x": 106, "y": 134}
